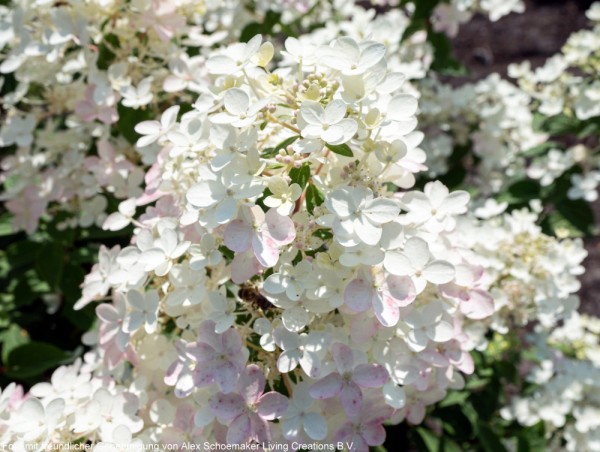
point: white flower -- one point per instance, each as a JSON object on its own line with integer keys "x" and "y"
{"x": 121, "y": 219}
{"x": 121, "y": 441}
{"x": 585, "y": 187}
{"x": 298, "y": 417}
{"x": 17, "y": 130}
{"x": 301, "y": 349}
{"x": 359, "y": 216}
{"x": 158, "y": 254}
{"x": 328, "y": 124}
{"x": 238, "y": 110}
{"x": 283, "y": 196}
{"x": 351, "y": 58}
{"x": 137, "y": 97}
{"x": 235, "y": 58}
{"x": 155, "y": 130}
{"x": 435, "y": 207}
{"x": 415, "y": 261}
{"x": 34, "y": 421}
{"x": 289, "y": 279}
{"x": 144, "y": 311}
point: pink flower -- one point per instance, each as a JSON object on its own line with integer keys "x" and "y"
{"x": 183, "y": 429}
{"x": 365, "y": 429}
{"x": 474, "y": 302}
{"x": 27, "y": 209}
{"x": 261, "y": 236}
{"x": 348, "y": 380}
{"x": 163, "y": 18}
{"x": 89, "y": 110}
{"x": 216, "y": 358}
{"x": 249, "y": 409}
{"x": 386, "y": 296}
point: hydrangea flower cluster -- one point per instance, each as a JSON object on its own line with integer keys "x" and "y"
{"x": 75, "y": 73}
{"x": 532, "y": 277}
{"x": 449, "y": 16}
{"x": 567, "y": 84}
{"x": 496, "y": 117}
{"x": 281, "y": 288}
{"x": 573, "y": 372}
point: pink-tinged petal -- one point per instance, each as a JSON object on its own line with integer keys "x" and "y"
{"x": 357, "y": 295}
{"x": 251, "y": 384}
{"x": 466, "y": 364}
{"x": 226, "y": 376}
{"x": 226, "y": 406}
{"x": 237, "y": 236}
{"x": 205, "y": 375}
{"x": 244, "y": 266}
{"x": 272, "y": 405}
{"x": 261, "y": 431}
{"x": 172, "y": 373}
{"x": 231, "y": 342}
{"x": 415, "y": 413}
{"x": 402, "y": 289}
{"x": 240, "y": 430}
{"x": 343, "y": 357}
{"x": 479, "y": 306}
{"x": 311, "y": 364}
{"x": 199, "y": 351}
{"x": 344, "y": 433}
{"x": 439, "y": 272}
{"x": 374, "y": 434}
{"x": 370, "y": 375}
{"x": 351, "y": 398}
{"x": 281, "y": 228}
{"x": 386, "y": 310}
{"x": 327, "y": 387}
{"x": 265, "y": 250}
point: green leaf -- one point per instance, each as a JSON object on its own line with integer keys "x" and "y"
{"x": 128, "y": 118}
{"x": 490, "y": 441}
{"x": 341, "y": 149}
{"x": 72, "y": 278}
{"x": 264, "y": 28}
{"x": 454, "y": 398}
{"x": 520, "y": 192}
{"x": 34, "y": 358}
{"x": 105, "y": 55}
{"x": 323, "y": 234}
{"x": 571, "y": 218}
{"x": 443, "y": 58}
{"x": 558, "y": 125}
{"x": 272, "y": 152}
{"x": 49, "y": 263}
{"x": 431, "y": 441}
{"x": 541, "y": 149}
{"x": 11, "y": 338}
{"x": 532, "y": 439}
{"x": 300, "y": 175}
{"x": 314, "y": 198}
{"x": 6, "y": 225}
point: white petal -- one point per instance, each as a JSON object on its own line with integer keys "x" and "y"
{"x": 439, "y": 272}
